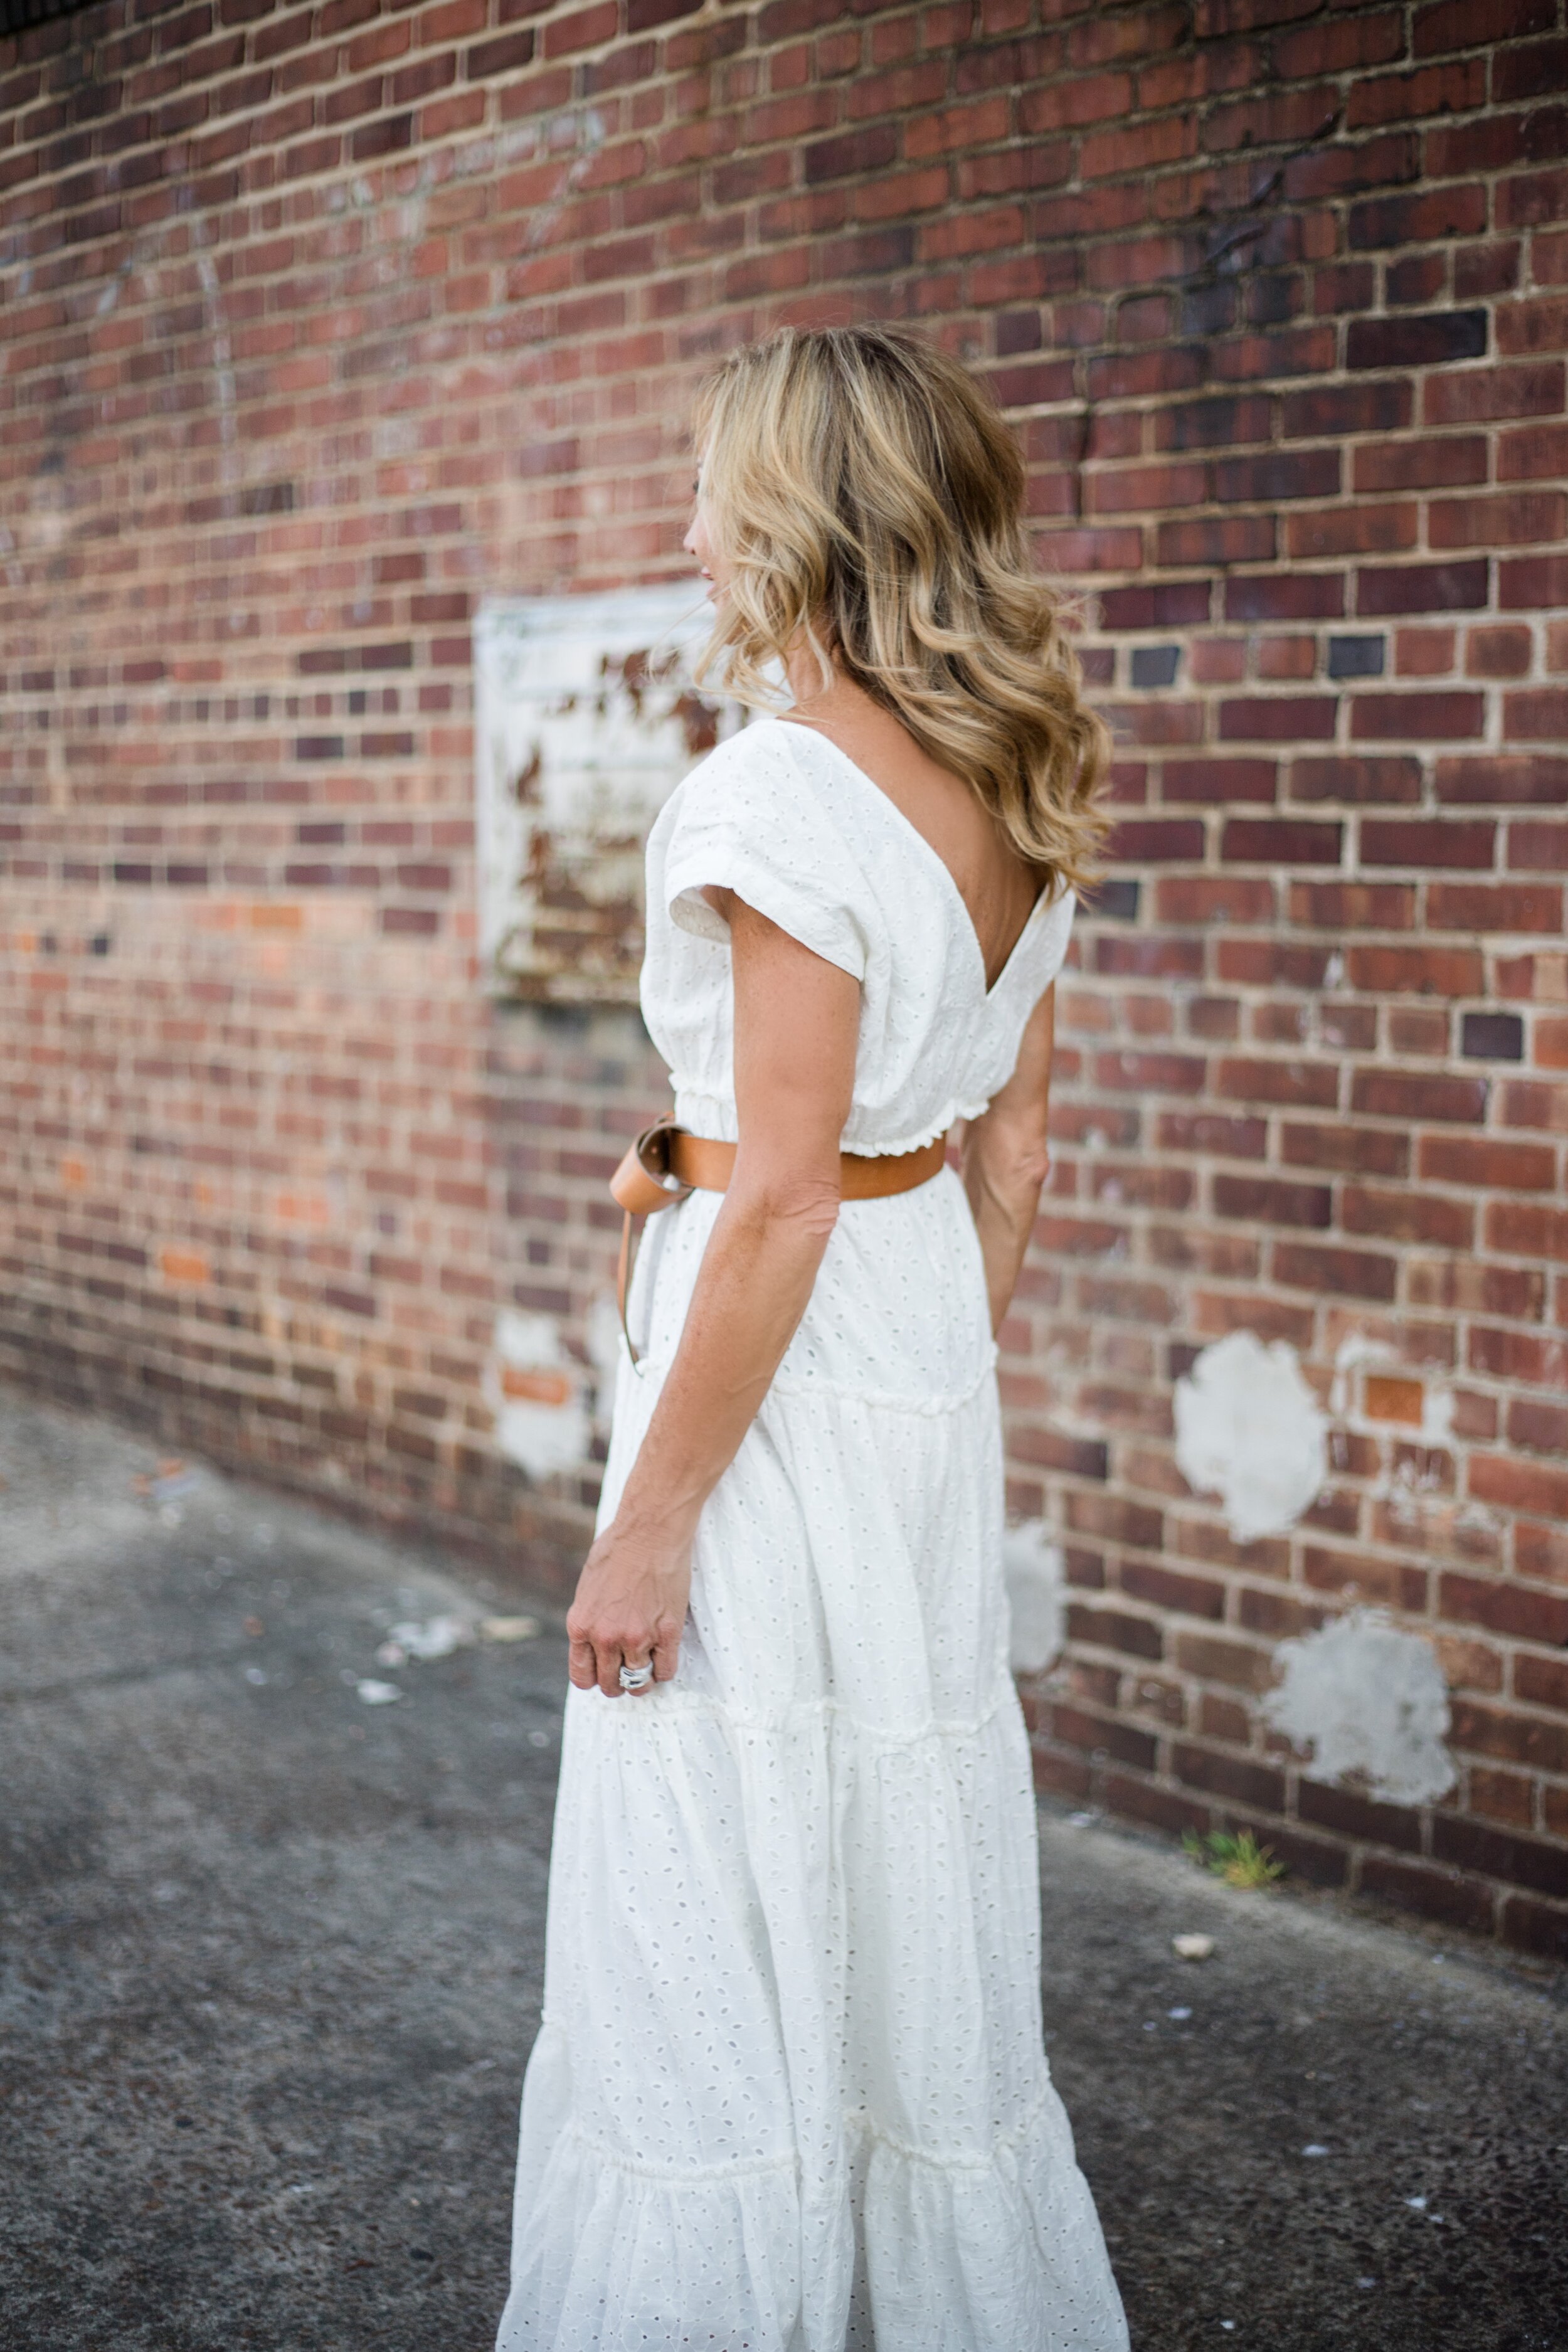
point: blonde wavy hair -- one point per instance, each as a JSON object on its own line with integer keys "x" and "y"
{"x": 869, "y": 498}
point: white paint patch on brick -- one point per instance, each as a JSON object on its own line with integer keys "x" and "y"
{"x": 587, "y": 719}
{"x": 1370, "y": 1699}
{"x": 1436, "y": 1414}
{"x": 1249, "y": 1428}
{"x": 534, "y": 1390}
{"x": 1036, "y": 1577}
{"x": 606, "y": 1349}
{"x": 1354, "y": 1350}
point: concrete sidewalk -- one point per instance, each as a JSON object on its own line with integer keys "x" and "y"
{"x": 271, "y": 1958}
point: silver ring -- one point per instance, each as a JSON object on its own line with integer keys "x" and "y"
{"x": 635, "y": 1678}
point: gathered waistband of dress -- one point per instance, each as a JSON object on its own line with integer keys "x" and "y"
{"x": 713, "y": 1116}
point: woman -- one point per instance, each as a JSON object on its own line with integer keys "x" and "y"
{"x": 789, "y": 2092}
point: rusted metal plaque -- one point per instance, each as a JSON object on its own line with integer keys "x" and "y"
{"x": 587, "y": 719}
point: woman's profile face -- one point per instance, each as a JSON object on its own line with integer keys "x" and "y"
{"x": 699, "y": 542}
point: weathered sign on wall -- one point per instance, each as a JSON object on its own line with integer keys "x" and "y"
{"x": 587, "y": 719}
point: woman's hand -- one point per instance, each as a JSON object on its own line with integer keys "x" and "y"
{"x": 629, "y": 1608}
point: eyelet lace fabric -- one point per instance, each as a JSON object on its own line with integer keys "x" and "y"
{"x": 790, "y": 2092}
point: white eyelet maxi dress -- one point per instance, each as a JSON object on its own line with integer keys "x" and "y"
{"x": 789, "y": 2093}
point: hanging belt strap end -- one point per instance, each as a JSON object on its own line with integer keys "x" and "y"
{"x": 643, "y": 1184}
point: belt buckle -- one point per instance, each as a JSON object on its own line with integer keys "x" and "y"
{"x": 653, "y": 1150}
{"x": 645, "y": 1180}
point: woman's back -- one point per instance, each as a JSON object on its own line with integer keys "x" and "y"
{"x": 996, "y": 885}
{"x": 784, "y": 816}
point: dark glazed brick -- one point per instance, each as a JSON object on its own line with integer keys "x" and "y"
{"x": 1113, "y": 901}
{"x": 1426, "y": 339}
{"x": 1155, "y": 666}
{"x": 1356, "y": 657}
{"x": 1493, "y": 1037}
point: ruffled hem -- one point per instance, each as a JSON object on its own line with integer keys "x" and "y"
{"x": 609, "y": 2255}
{"x": 905, "y": 2251}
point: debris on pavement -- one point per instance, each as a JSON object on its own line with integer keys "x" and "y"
{"x": 1192, "y": 1948}
{"x": 172, "y": 1478}
{"x": 424, "y": 1638}
{"x": 509, "y": 1629}
{"x": 376, "y": 1694}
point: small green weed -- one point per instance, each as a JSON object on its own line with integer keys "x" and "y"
{"x": 1240, "y": 1860}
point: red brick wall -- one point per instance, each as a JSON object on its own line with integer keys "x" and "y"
{"x": 320, "y": 322}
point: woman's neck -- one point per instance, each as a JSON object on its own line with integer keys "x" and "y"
{"x": 803, "y": 668}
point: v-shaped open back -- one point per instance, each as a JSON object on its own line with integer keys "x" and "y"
{"x": 797, "y": 829}
{"x": 901, "y": 818}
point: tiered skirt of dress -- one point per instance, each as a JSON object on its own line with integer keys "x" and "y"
{"x": 790, "y": 2094}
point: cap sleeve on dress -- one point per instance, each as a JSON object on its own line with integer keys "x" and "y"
{"x": 1056, "y": 936}
{"x": 750, "y": 820}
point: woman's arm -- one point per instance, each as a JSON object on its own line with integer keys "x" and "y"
{"x": 796, "y": 1027}
{"x": 1007, "y": 1159}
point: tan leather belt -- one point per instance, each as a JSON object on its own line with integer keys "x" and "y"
{"x": 666, "y": 1163}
